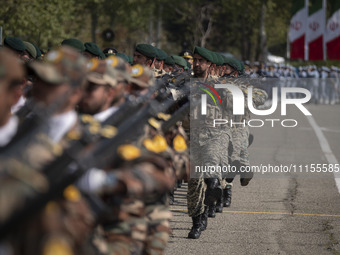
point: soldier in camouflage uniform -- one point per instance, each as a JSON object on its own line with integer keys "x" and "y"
{"x": 141, "y": 225}
{"x": 210, "y": 149}
{"x": 240, "y": 156}
{"x": 66, "y": 223}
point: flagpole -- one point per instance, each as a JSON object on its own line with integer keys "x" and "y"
{"x": 324, "y": 5}
{"x": 288, "y": 45}
{"x": 306, "y": 43}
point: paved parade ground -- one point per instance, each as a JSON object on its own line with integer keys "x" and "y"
{"x": 276, "y": 213}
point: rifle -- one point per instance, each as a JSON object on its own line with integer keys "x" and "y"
{"x": 83, "y": 154}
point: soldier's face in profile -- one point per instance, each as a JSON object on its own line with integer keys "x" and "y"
{"x": 159, "y": 64}
{"x": 139, "y": 59}
{"x": 229, "y": 70}
{"x": 180, "y": 69}
{"x": 200, "y": 65}
{"x": 167, "y": 68}
{"x": 190, "y": 60}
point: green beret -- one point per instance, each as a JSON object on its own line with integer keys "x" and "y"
{"x": 147, "y": 50}
{"x": 214, "y": 58}
{"x": 161, "y": 54}
{"x": 130, "y": 60}
{"x": 102, "y": 55}
{"x": 180, "y": 61}
{"x": 220, "y": 59}
{"x": 188, "y": 64}
{"x": 169, "y": 61}
{"x": 204, "y": 53}
{"x": 31, "y": 49}
{"x": 242, "y": 69}
{"x": 14, "y": 43}
{"x": 233, "y": 63}
{"x": 94, "y": 49}
{"x": 38, "y": 51}
{"x": 225, "y": 59}
{"x": 74, "y": 43}
{"x": 123, "y": 56}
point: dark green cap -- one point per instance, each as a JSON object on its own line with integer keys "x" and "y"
{"x": 220, "y": 59}
{"x": 110, "y": 52}
{"x": 31, "y": 49}
{"x": 147, "y": 50}
{"x": 204, "y": 53}
{"x": 225, "y": 59}
{"x": 14, "y": 43}
{"x": 188, "y": 64}
{"x": 74, "y": 43}
{"x": 37, "y": 50}
{"x": 161, "y": 54}
{"x": 123, "y": 56}
{"x": 169, "y": 61}
{"x": 180, "y": 61}
{"x": 94, "y": 49}
{"x": 240, "y": 68}
{"x": 130, "y": 60}
{"x": 214, "y": 57}
{"x": 233, "y": 63}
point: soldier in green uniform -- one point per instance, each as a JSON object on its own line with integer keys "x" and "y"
{"x": 159, "y": 63}
{"x": 145, "y": 55}
{"x": 169, "y": 64}
{"x": 74, "y": 43}
{"x": 92, "y": 51}
{"x": 180, "y": 64}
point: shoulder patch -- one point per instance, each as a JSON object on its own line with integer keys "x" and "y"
{"x": 157, "y": 144}
{"x": 128, "y": 152}
{"x": 179, "y": 143}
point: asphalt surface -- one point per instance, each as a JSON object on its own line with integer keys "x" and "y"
{"x": 289, "y": 213}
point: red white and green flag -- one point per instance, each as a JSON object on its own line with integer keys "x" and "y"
{"x": 316, "y": 29}
{"x": 332, "y": 36}
{"x": 297, "y": 30}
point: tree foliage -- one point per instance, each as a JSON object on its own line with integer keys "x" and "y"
{"x": 224, "y": 26}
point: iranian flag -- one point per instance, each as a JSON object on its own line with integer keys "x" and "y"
{"x": 316, "y": 27}
{"x": 332, "y": 36}
{"x": 297, "y": 30}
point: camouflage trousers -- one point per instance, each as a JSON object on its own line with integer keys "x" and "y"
{"x": 128, "y": 235}
{"x": 240, "y": 145}
{"x": 209, "y": 147}
{"x": 195, "y": 196}
{"x": 158, "y": 229}
{"x": 240, "y": 154}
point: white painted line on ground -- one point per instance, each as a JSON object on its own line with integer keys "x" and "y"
{"x": 325, "y": 148}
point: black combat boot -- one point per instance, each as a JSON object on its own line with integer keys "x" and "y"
{"x": 211, "y": 211}
{"x": 245, "y": 178}
{"x": 195, "y": 231}
{"x": 204, "y": 219}
{"x": 213, "y": 192}
{"x": 219, "y": 205}
{"x": 171, "y": 197}
{"x": 227, "y": 195}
